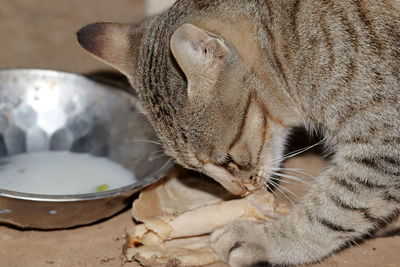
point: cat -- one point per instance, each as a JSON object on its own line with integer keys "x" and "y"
{"x": 223, "y": 82}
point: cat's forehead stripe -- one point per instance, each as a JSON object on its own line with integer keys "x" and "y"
{"x": 240, "y": 130}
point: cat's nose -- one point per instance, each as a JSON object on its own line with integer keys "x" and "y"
{"x": 255, "y": 180}
{"x": 254, "y": 183}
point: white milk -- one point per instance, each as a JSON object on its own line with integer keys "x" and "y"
{"x": 61, "y": 173}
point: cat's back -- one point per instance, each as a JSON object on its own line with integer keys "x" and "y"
{"x": 347, "y": 60}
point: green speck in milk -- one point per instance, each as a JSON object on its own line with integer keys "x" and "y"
{"x": 102, "y": 188}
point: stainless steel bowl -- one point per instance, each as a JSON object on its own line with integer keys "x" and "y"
{"x": 43, "y": 110}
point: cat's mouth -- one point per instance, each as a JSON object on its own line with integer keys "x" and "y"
{"x": 255, "y": 183}
{"x": 231, "y": 183}
{"x": 235, "y": 185}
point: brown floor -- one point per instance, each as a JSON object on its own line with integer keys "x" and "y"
{"x": 41, "y": 34}
{"x": 101, "y": 245}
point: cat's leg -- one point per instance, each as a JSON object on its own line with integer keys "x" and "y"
{"x": 351, "y": 199}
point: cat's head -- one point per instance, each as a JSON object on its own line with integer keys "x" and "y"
{"x": 199, "y": 95}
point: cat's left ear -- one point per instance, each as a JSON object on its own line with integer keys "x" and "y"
{"x": 198, "y": 52}
{"x": 116, "y": 44}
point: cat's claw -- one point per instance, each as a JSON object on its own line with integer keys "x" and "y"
{"x": 240, "y": 243}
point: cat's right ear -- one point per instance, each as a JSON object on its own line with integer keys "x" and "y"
{"x": 116, "y": 44}
{"x": 199, "y": 54}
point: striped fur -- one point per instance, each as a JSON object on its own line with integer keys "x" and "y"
{"x": 260, "y": 68}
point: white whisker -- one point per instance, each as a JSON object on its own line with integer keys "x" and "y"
{"x": 298, "y": 171}
{"x": 280, "y": 180}
{"x": 163, "y": 166}
{"x": 146, "y": 141}
{"x": 355, "y": 243}
{"x": 152, "y": 158}
{"x": 284, "y": 188}
{"x": 159, "y": 152}
{"x": 272, "y": 191}
{"x": 294, "y": 178}
{"x": 283, "y": 193}
{"x": 295, "y": 153}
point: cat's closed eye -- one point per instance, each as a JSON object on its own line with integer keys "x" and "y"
{"x": 227, "y": 160}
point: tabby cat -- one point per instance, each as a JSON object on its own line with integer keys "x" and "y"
{"x": 223, "y": 82}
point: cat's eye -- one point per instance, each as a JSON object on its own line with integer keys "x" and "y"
{"x": 227, "y": 160}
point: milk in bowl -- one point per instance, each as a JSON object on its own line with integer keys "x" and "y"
{"x": 61, "y": 173}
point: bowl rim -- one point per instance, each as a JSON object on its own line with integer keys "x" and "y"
{"x": 132, "y": 188}
{"x": 85, "y": 76}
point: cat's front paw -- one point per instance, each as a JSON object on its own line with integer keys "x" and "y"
{"x": 241, "y": 243}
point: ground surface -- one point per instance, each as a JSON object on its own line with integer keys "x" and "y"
{"x": 40, "y": 34}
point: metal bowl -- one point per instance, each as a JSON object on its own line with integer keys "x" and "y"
{"x": 42, "y": 110}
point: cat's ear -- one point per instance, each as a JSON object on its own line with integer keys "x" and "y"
{"x": 198, "y": 52}
{"x": 116, "y": 44}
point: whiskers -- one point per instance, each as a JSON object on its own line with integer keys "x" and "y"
{"x": 144, "y": 141}
{"x": 157, "y": 151}
{"x": 153, "y": 155}
{"x": 294, "y": 153}
{"x": 168, "y": 162}
{"x": 282, "y": 181}
{"x": 290, "y": 177}
{"x": 280, "y": 189}
{"x": 279, "y": 177}
{"x": 300, "y": 171}
{"x": 156, "y": 155}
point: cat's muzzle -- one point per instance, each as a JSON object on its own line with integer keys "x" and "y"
{"x": 235, "y": 185}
